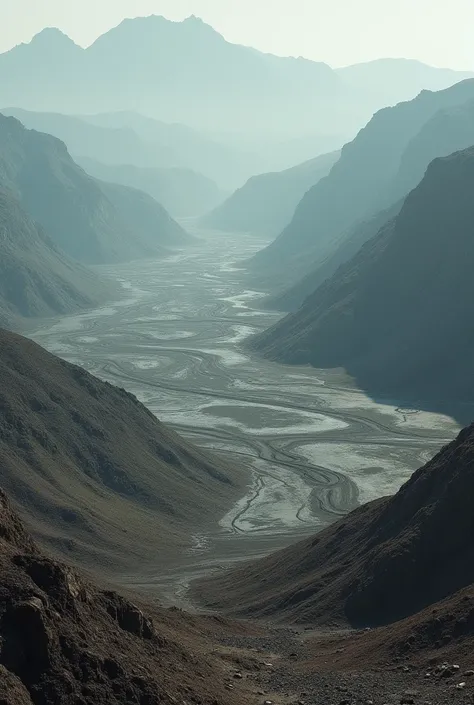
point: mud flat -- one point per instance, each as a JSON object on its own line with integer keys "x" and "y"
{"x": 314, "y": 445}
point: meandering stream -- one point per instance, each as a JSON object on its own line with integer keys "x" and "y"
{"x": 315, "y": 446}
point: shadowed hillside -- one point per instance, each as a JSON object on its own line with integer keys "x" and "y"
{"x": 395, "y": 315}
{"x": 362, "y": 183}
{"x": 94, "y": 474}
{"x": 379, "y": 564}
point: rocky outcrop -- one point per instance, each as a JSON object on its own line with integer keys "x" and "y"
{"x": 64, "y": 640}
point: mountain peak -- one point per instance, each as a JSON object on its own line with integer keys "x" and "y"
{"x": 52, "y": 36}
{"x": 194, "y": 19}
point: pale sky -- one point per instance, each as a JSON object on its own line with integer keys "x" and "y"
{"x": 339, "y": 32}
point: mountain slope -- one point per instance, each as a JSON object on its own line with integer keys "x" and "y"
{"x": 36, "y": 279}
{"x": 395, "y": 315}
{"x": 348, "y": 245}
{"x": 377, "y": 565}
{"x": 447, "y": 131}
{"x": 70, "y": 205}
{"x": 394, "y": 80}
{"x": 266, "y": 203}
{"x": 182, "y": 192}
{"x": 67, "y": 640}
{"x": 94, "y": 474}
{"x": 144, "y": 218}
{"x": 359, "y": 185}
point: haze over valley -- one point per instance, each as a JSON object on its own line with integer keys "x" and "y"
{"x": 236, "y": 379}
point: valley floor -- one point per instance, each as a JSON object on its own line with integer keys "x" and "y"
{"x": 315, "y": 446}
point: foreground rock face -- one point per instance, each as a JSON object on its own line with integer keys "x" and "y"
{"x": 95, "y": 475}
{"x": 383, "y": 562}
{"x": 395, "y": 315}
{"x": 63, "y": 640}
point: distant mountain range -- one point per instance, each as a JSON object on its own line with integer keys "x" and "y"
{"x": 186, "y": 72}
{"x": 182, "y": 192}
{"x": 266, "y": 203}
{"x": 396, "y": 314}
{"x": 377, "y": 169}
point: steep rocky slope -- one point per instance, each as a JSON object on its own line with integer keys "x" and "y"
{"x": 385, "y": 561}
{"x": 184, "y": 193}
{"x": 36, "y": 279}
{"x": 360, "y": 184}
{"x": 349, "y": 245}
{"x": 71, "y": 206}
{"x": 395, "y": 315}
{"x": 266, "y": 203}
{"x": 66, "y": 640}
{"x": 446, "y": 132}
{"x": 92, "y": 471}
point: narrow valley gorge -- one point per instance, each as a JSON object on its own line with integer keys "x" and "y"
{"x": 314, "y": 446}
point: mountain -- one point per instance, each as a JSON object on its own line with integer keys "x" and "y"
{"x": 36, "y": 279}
{"x": 144, "y": 218}
{"x": 447, "y": 131}
{"x": 186, "y": 72}
{"x": 216, "y": 156}
{"x": 95, "y": 476}
{"x": 359, "y": 185}
{"x": 111, "y": 145}
{"x": 348, "y": 245}
{"x": 396, "y": 80}
{"x": 182, "y": 192}
{"x": 266, "y": 203}
{"x": 395, "y": 316}
{"x": 65, "y": 639}
{"x": 72, "y": 207}
{"x": 383, "y": 562}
